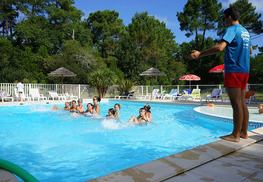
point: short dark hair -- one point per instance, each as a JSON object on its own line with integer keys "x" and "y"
{"x": 233, "y": 12}
{"x": 112, "y": 111}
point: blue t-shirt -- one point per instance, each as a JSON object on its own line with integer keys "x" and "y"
{"x": 237, "y": 53}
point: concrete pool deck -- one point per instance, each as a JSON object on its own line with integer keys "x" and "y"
{"x": 217, "y": 161}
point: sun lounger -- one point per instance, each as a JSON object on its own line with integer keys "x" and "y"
{"x": 130, "y": 95}
{"x": 216, "y": 95}
{"x": 5, "y": 96}
{"x": 154, "y": 94}
{"x": 194, "y": 95}
{"x": 172, "y": 93}
{"x": 250, "y": 97}
{"x": 70, "y": 96}
{"x": 54, "y": 95}
{"x": 24, "y": 97}
{"x": 34, "y": 93}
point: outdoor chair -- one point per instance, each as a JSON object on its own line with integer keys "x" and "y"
{"x": 154, "y": 94}
{"x": 70, "y": 96}
{"x": 250, "y": 97}
{"x": 185, "y": 92}
{"x": 24, "y": 96}
{"x": 53, "y": 95}
{"x": 216, "y": 95}
{"x": 194, "y": 95}
{"x": 34, "y": 93}
{"x": 172, "y": 93}
{"x": 130, "y": 95}
{"x": 5, "y": 96}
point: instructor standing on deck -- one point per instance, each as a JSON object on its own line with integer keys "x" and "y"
{"x": 236, "y": 40}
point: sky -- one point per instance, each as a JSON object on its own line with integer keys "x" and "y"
{"x": 163, "y": 10}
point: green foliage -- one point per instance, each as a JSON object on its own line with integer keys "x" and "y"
{"x": 104, "y": 48}
{"x": 256, "y": 67}
{"x": 199, "y": 15}
{"x": 125, "y": 86}
{"x": 102, "y": 79}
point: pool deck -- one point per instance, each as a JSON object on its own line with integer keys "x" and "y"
{"x": 217, "y": 161}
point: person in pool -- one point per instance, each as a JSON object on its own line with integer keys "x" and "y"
{"x": 111, "y": 113}
{"x": 96, "y": 106}
{"x": 89, "y": 109}
{"x": 117, "y": 107}
{"x": 67, "y": 107}
{"x": 148, "y": 113}
{"x": 80, "y": 107}
{"x": 141, "y": 118}
{"x": 73, "y": 107}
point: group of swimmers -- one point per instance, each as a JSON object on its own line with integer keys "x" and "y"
{"x": 94, "y": 110}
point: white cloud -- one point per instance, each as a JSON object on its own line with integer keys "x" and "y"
{"x": 256, "y": 3}
{"x": 165, "y": 20}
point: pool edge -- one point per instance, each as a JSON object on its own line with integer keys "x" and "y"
{"x": 176, "y": 164}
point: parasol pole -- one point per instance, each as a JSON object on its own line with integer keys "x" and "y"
{"x": 62, "y": 85}
{"x": 152, "y": 89}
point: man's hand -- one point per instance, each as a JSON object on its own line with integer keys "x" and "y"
{"x": 194, "y": 55}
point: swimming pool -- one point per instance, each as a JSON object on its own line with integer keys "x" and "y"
{"x": 54, "y": 146}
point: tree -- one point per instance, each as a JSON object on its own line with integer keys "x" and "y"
{"x": 107, "y": 29}
{"x": 149, "y": 44}
{"x": 199, "y": 16}
{"x": 8, "y": 14}
{"x": 102, "y": 79}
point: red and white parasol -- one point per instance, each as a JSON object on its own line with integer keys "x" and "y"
{"x": 218, "y": 69}
{"x": 190, "y": 78}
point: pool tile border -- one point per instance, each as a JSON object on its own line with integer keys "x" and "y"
{"x": 176, "y": 164}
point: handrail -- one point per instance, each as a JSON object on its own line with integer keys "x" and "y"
{"x": 21, "y": 173}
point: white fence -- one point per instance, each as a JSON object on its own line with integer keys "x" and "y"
{"x": 86, "y": 91}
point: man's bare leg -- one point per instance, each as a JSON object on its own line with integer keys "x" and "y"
{"x": 238, "y": 117}
{"x": 243, "y": 133}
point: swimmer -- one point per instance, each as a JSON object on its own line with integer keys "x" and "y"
{"x": 111, "y": 113}
{"x": 73, "y": 107}
{"x": 148, "y": 113}
{"x": 55, "y": 108}
{"x": 96, "y": 106}
{"x": 67, "y": 107}
{"x": 260, "y": 106}
{"x": 141, "y": 118}
{"x": 117, "y": 107}
{"x": 89, "y": 109}
{"x": 80, "y": 107}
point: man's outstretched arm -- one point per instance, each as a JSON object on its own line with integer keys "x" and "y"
{"x": 213, "y": 50}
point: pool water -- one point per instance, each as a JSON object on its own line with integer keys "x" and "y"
{"x": 55, "y": 146}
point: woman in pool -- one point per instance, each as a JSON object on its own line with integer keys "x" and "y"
{"x": 148, "y": 113}
{"x": 80, "y": 107}
{"x": 89, "y": 109}
{"x": 67, "y": 107}
{"x": 141, "y": 118}
{"x": 117, "y": 107}
{"x": 111, "y": 113}
{"x": 73, "y": 107}
{"x": 96, "y": 106}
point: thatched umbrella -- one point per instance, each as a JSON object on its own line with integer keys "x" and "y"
{"x": 62, "y": 72}
{"x": 152, "y": 72}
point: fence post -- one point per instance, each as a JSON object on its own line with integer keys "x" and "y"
{"x": 178, "y": 89}
{"x": 79, "y": 90}
{"x": 219, "y": 86}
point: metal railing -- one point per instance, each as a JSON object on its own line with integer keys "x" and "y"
{"x": 86, "y": 91}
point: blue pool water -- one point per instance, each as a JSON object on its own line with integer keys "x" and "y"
{"x": 55, "y": 146}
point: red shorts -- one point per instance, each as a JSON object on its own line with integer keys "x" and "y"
{"x": 237, "y": 80}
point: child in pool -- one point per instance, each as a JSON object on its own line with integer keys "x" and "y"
{"x": 89, "y": 109}
{"x": 141, "y": 118}
{"x": 148, "y": 113}
{"x": 111, "y": 113}
{"x": 117, "y": 107}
